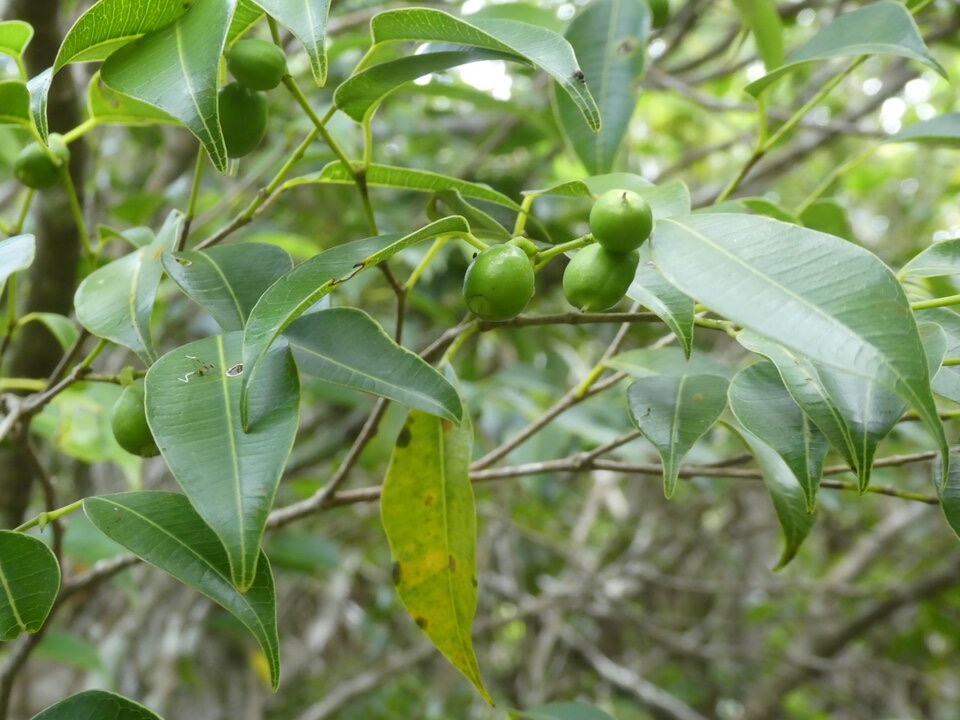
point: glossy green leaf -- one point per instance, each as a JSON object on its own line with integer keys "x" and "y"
{"x": 789, "y": 500}
{"x": 165, "y": 530}
{"x": 666, "y": 200}
{"x": 654, "y": 292}
{"x": 175, "y": 68}
{"x": 39, "y": 87}
{"x": 109, "y": 24}
{"x": 15, "y": 35}
{"x": 115, "y": 301}
{"x": 762, "y": 18}
{"x": 294, "y": 293}
{"x": 853, "y": 412}
{"x": 882, "y": 28}
{"x": 673, "y": 412}
{"x": 609, "y": 38}
{"x": 430, "y": 521}
{"x": 565, "y": 711}
{"x": 940, "y": 258}
{"x": 796, "y": 287}
{"x": 16, "y": 254}
{"x": 670, "y": 360}
{"x": 347, "y": 347}
{"x": 228, "y": 280}
{"x": 941, "y": 130}
{"x": 307, "y": 21}
{"x": 361, "y": 94}
{"x": 245, "y": 17}
{"x": 539, "y": 46}
{"x": 229, "y": 475}
{"x": 15, "y": 104}
{"x": 29, "y": 583}
{"x": 107, "y": 106}
{"x": 766, "y": 409}
{"x": 405, "y": 179}
{"x": 97, "y": 705}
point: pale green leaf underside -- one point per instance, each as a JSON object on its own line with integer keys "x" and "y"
{"x": 347, "y": 347}
{"x": 15, "y": 35}
{"x": 391, "y": 176}
{"x": 941, "y": 258}
{"x": 883, "y": 28}
{"x": 163, "y": 529}
{"x": 307, "y": 21}
{"x": 942, "y": 130}
{"x": 429, "y": 517}
{"x": 16, "y": 254}
{"x": 29, "y": 583}
{"x": 97, "y": 705}
{"x": 794, "y": 286}
{"x": 666, "y": 200}
{"x": 107, "y": 106}
{"x": 175, "y": 69}
{"x": 653, "y": 291}
{"x": 229, "y": 475}
{"x": 537, "y": 45}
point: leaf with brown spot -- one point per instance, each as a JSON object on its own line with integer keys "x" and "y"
{"x": 431, "y": 524}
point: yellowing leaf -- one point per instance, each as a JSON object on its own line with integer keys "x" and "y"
{"x": 430, "y": 520}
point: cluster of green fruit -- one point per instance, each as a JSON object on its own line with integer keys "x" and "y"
{"x": 500, "y": 281}
{"x": 256, "y": 65}
{"x": 38, "y": 167}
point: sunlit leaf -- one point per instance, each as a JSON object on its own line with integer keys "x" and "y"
{"x": 229, "y": 475}
{"x": 307, "y": 21}
{"x": 940, "y": 258}
{"x": 110, "y": 107}
{"x": 762, "y": 18}
{"x": 15, "y": 104}
{"x": 165, "y": 530}
{"x": 29, "y": 583}
{"x": 16, "y": 254}
{"x": 430, "y": 520}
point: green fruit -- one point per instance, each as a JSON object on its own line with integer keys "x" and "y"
{"x": 35, "y": 167}
{"x": 243, "y": 118}
{"x": 499, "y": 283}
{"x": 621, "y": 220}
{"x": 596, "y": 279}
{"x": 129, "y": 422}
{"x": 257, "y": 64}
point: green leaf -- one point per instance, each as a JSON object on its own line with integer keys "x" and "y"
{"x": 347, "y": 347}
{"x": 762, "y": 206}
{"x": 949, "y": 494}
{"x": 245, "y": 17}
{"x": 883, "y": 28}
{"x": 61, "y": 327}
{"x": 762, "y": 18}
{"x": 99, "y": 705}
{"x": 828, "y": 216}
{"x": 230, "y": 476}
{"x": 227, "y": 280}
{"x": 645, "y": 362}
{"x": 16, "y": 254}
{"x": 795, "y": 286}
{"x": 307, "y": 21}
{"x": 70, "y": 649}
{"x": 405, "y": 179}
{"x": 565, "y": 711}
{"x": 666, "y": 200}
{"x": 165, "y": 530}
{"x": 174, "y": 69}
{"x": 673, "y": 412}
{"x": 942, "y": 130}
{"x": 109, "y": 24}
{"x": 652, "y": 289}
{"x": 115, "y": 301}
{"x": 609, "y": 38}
{"x": 430, "y": 521}
{"x": 853, "y": 412}
{"x": 15, "y": 35}
{"x": 946, "y": 382}
{"x": 766, "y": 409}
{"x": 294, "y": 293}
{"x": 30, "y": 581}
{"x": 15, "y": 104}
{"x": 360, "y": 95}
{"x": 940, "y": 258}
{"x": 536, "y": 45}
{"x": 39, "y": 88}
{"x": 107, "y": 106}
{"x": 789, "y": 501}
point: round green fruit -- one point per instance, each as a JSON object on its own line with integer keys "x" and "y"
{"x": 499, "y": 283}
{"x": 621, "y": 220}
{"x": 257, "y": 64}
{"x": 243, "y": 118}
{"x": 39, "y": 169}
{"x": 596, "y": 279}
{"x": 129, "y": 422}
